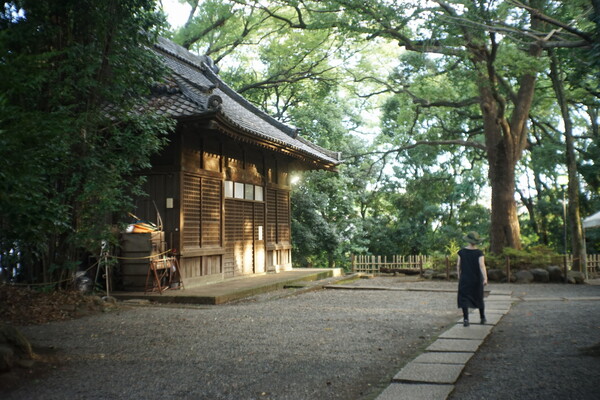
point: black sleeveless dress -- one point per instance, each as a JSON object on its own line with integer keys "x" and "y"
{"x": 470, "y": 285}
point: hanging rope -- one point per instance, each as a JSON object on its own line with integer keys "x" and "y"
{"x": 142, "y": 258}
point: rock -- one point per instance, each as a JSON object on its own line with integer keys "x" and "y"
{"x": 109, "y": 300}
{"x": 7, "y": 358}
{"x": 523, "y": 276}
{"x": 496, "y": 275}
{"x": 439, "y": 276}
{"x": 140, "y": 302}
{"x": 453, "y": 275}
{"x": 25, "y": 364}
{"x": 96, "y": 300}
{"x": 540, "y": 275}
{"x": 428, "y": 274}
{"x": 14, "y": 338}
{"x": 555, "y": 273}
{"x": 575, "y": 277}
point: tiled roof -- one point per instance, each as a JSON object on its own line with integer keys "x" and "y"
{"x": 194, "y": 89}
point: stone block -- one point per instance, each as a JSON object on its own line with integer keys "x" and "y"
{"x": 523, "y": 276}
{"x": 409, "y": 391}
{"x": 474, "y": 331}
{"x": 555, "y": 273}
{"x": 459, "y": 345}
{"x": 429, "y": 373}
{"x": 435, "y": 357}
{"x": 540, "y": 275}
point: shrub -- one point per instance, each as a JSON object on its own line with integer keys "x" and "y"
{"x": 530, "y": 258}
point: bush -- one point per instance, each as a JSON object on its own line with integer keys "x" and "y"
{"x": 530, "y": 258}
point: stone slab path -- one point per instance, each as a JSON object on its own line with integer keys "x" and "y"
{"x": 432, "y": 375}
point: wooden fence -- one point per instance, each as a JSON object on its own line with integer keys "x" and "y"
{"x": 592, "y": 262}
{"x": 375, "y": 264}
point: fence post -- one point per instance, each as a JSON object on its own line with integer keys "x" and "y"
{"x": 508, "y": 269}
{"x": 447, "y": 267}
{"x": 353, "y": 262}
{"x": 421, "y": 266}
{"x": 566, "y": 268}
{"x": 373, "y": 264}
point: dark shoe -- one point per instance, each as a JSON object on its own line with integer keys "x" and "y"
{"x": 483, "y": 321}
{"x": 466, "y": 322}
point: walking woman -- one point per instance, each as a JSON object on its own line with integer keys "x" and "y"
{"x": 472, "y": 277}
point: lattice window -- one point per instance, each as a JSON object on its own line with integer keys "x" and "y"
{"x": 201, "y": 212}
{"x": 259, "y": 217}
{"x": 283, "y": 216}
{"x": 271, "y": 215}
{"x": 211, "y": 212}
{"x": 234, "y": 236}
{"x": 191, "y": 211}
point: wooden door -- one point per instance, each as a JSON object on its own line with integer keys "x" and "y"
{"x": 259, "y": 238}
{"x": 239, "y": 243}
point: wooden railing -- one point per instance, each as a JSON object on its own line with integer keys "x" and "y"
{"x": 592, "y": 262}
{"x": 374, "y": 264}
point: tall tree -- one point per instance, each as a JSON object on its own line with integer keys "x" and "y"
{"x": 578, "y": 244}
{"x": 467, "y": 76}
{"x": 71, "y": 133}
{"x": 497, "y": 43}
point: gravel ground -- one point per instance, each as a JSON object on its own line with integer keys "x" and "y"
{"x": 328, "y": 344}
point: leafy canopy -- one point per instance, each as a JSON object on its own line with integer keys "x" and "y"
{"x": 72, "y": 134}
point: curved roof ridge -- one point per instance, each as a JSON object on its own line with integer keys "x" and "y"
{"x": 202, "y": 92}
{"x": 183, "y": 54}
{"x": 336, "y": 155}
{"x": 288, "y": 129}
{"x": 206, "y": 65}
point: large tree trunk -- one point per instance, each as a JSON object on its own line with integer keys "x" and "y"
{"x": 505, "y": 139}
{"x": 505, "y": 230}
{"x": 502, "y": 158}
{"x": 574, "y": 217}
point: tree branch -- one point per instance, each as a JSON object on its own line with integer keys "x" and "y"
{"x": 191, "y": 15}
{"x": 188, "y": 42}
{"x": 442, "y": 103}
{"x": 543, "y": 17}
{"x": 457, "y": 142}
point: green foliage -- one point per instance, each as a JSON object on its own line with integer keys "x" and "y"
{"x": 530, "y": 258}
{"x": 452, "y": 249}
{"x": 71, "y": 138}
{"x": 345, "y": 69}
{"x": 322, "y": 220}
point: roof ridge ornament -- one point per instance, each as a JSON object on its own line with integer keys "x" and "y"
{"x": 214, "y": 102}
{"x": 210, "y": 64}
{"x": 181, "y": 53}
{"x": 204, "y": 94}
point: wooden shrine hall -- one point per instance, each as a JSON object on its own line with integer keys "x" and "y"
{"x": 222, "y": 184}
